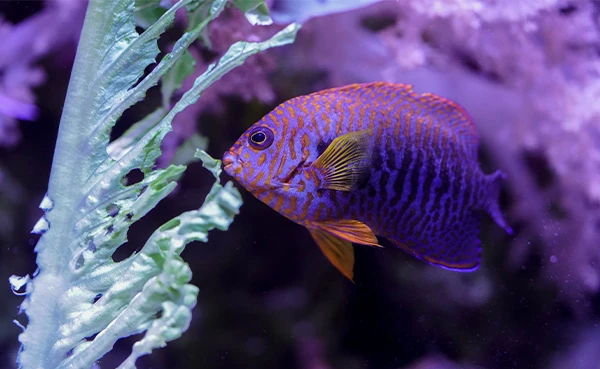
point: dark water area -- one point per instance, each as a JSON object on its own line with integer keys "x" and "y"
{"x": 268, "y": 297}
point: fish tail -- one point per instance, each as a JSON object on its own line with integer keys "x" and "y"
{"x": 494, "y": 183}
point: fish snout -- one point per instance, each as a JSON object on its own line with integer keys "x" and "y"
{"x": 228, "y": 161}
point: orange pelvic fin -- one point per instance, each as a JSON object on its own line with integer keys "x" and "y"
{"x": 350, "y": 230}
{"x": 339, "y": 252}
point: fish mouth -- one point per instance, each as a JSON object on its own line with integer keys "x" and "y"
{"x": 229, "y": 159}
{"x": 227, "y": 163}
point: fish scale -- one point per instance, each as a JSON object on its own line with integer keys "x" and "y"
{"x": 357, "y": 161}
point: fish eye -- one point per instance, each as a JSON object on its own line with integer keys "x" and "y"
{"x": 261, "y": 138}
{"x": 258, "y": 138}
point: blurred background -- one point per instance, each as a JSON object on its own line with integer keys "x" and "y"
{"x": 527, "y": 71}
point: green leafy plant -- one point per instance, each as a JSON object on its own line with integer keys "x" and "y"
{"x": 79, "y": 301}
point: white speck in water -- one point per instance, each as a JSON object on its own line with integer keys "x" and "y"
{"x": 553, "y": 259}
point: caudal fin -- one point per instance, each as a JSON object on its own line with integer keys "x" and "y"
{"x": 495, "y": 181}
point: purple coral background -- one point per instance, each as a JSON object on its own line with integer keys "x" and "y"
{"x": 528, "y": 72}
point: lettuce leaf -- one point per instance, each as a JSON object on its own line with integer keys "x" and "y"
{"x": 79, "y": 301}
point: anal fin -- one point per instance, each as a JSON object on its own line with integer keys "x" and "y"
{"x": 458, "y": 248}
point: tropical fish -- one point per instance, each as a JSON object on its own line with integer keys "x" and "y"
{"x": 353, "y": 162}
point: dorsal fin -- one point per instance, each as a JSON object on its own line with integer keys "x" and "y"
{"x": 456, "y": 118}
{"x": 368, "y": 90}
{"x": 450, "y": 114}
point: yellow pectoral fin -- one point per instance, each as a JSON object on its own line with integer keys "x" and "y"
{"x": 345, "y": 161}
{"x": 350, "y": 230}
{"x": 339, "y": 252}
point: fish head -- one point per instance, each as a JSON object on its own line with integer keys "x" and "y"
{"x": 250, "y": 157}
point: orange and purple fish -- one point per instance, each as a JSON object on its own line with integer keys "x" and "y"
{"x": 357, "y": 161}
